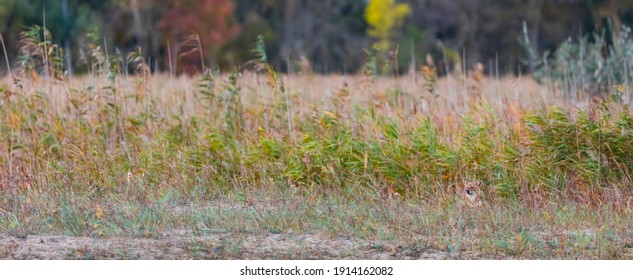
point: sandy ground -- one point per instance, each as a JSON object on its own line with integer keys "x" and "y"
{"x": 215, "y": 246}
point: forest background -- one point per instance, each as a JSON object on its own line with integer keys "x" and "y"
{"x": 326, "y": 34}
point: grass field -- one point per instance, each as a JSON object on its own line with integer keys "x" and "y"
{"x": 307, "y": 166}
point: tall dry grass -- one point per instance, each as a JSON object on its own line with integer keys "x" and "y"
{"x": 111, "y": 150}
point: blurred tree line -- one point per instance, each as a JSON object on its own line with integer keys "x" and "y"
{"x": 326, "y": 36}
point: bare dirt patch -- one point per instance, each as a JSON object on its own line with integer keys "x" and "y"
{"x": 215, "y": 246}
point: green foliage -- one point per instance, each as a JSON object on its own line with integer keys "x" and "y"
{"x": 590, "y": 66}
{"x": 370, "y": 67}
{"x": 39, "y": 54}
{"x": 6, "y": 8}
{"x": 595, "y": 146}
{"x": 409, "y": 46}
{"x": 259, "y": 50}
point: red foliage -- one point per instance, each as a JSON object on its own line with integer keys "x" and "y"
{"x": 212, "y": 20}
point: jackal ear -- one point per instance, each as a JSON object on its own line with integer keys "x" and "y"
{"x": 480, "y": 184}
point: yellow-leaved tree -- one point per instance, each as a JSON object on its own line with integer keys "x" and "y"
{"x": 383, "y": 16}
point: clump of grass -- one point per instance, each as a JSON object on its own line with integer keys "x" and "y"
{"x": 323, "y": 149}
{"x": 592, "y": 65}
